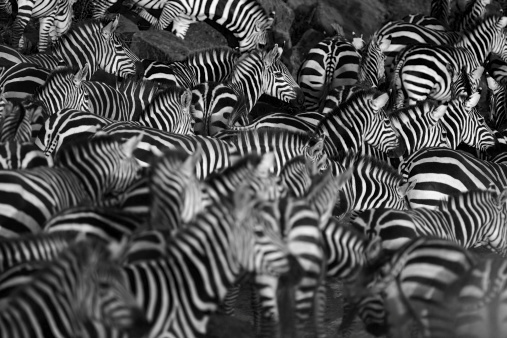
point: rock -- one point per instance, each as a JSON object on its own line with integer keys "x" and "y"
{"x": 309, "y": 39}
{"x": 165, "y": 46}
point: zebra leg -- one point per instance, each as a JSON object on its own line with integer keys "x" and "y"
{"x": 47, "y": 25}
{"x": 269, "y": 320}
{"x": 228, "y": 304}
{"x": 25, "y": 8}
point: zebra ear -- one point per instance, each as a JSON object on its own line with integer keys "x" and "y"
{"x": 109, "y": 29}
{"x": 502, "y": 198}
{"x": 267, "y": 163}
{"x": 190, "y": 163}
{"x": 131, "y": 144}
{"x": 405, "y": 188}
{"x": 374, "y": 250}
{"x": 116, "y": 249}
{"x": 186, "y": 98}
{"x": 502, "y": 22}
{"x": 380, "y": 101}
{"x": 472, "y": 100}
{"x": 492, "y": 84}
{"x": 439, "y": 112}
{"x": 385, "y": 44}
{"x": 344, "y": 177}
{"x": 81, "y": 75}
{"x": 271, "y": 57}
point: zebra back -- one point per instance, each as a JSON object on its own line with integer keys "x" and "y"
{"x": 481, "y": 300}
{"x": 332, "y": 62}
{"x": 91, "y": 286}
{"x": 426, "y": 21}
{"x": 437, "y": 173}
{"x": 169, "y": 110}
{"x": 217, "y": 154}
{"x": 418, "y": 282}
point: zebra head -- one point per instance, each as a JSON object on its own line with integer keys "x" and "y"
{"x": 104, "y": 165}
{"x": 175, "y": 190}
{"x": 259, "y": 243}
{"x": 472, "y": 128}
{"x": 63, "y": 89}
{"x": 419, "y": 126}
{"x": 371, "y": 66}
{"x": 256, "y": 36}
{"x": 278, "y": 82}
{"x": 114, "y": 55}
{"x": 379, "y": 131}
{"x": 102, "y": 294}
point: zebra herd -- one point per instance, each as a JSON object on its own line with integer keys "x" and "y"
{"x": 140, "y": 209}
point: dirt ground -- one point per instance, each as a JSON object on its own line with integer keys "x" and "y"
{"x": 241, "y": 326}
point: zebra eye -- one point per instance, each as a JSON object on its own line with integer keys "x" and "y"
{"x": 278, "y": 75}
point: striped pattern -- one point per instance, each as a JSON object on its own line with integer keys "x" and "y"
{"x": 472, "y": 219}
{"x": 437, "y": 173}
{"x": 332, "y": 62}
{"x": 90, "y": 287}
{"x": 245, "y": 19}
{"x": 423, "y": 71}
{"x": 82, "y": 173}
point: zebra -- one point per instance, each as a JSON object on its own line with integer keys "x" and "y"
{"x": 496, "y": 67}
{"x": 422, "y": 71}
{"x": 417, "y": 283}
{"x": 63, "y": 89}
{"x": 169, "y": 111}
{"x": 176, "y": 196}
{"x": 245, "y": 19}
{"x": 464, "y": 124}
{"x": 421, "y": 126}
{"x": 22, "y": 80}
{"x": 54, "y": 17}
{"x": 92, "y": 288}
{"x": 474, "y": 11}
{"x": 347, "y": 129}
{"x": 220, "y": 153}
{"x": 497, "y": 110}
{"x": 482, "y": 300}
{"x": 369, "y": 174}
{"x": 332, "y": 62}
{"x": 37, "y": 247}
{"x": 16, "y": 149}
{"x": 472, "y": 219}
{"x": 255, "y": 73}
{"x": 81, "y": 173}
{"x": 205, "y": 65}
{"x": 250, "y": 248}
{"x": 426, "y": 21}
{"x": 91, "y": 42}
{"x": 439, "y": 172}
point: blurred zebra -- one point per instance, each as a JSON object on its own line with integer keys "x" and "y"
{"x": 437, "y": 173}
{"x": 423, "y": 71}
{"x": 472, "y": 219}
{"x": 82, "y": 173}
{"x": 92, "y": 288}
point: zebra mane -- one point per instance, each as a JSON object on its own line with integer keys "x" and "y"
{"x": 351, "y": 101}
{"x": 133, "y": 83}
{"x": 221, "y": 52}
{"x": 169, "y": 156}
{"x": 430, "y": 103}
{"x": 462, "y": 198}
{"x": 260, "y": 133}
{"x": 170, "y": 89}
{"x": 241, "y": 162}
{"x": 368, "y": 164}
{"x": 488, "y": 21}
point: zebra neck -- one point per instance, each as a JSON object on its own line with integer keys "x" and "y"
{"x": 248, "y": 79}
